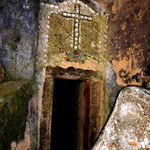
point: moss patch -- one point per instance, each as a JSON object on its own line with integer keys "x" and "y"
{"x": 10, "y": 87}
{"x": 93, "y": 38}
{"x": 13, "y": 111}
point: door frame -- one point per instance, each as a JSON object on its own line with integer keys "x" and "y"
{"x": 47, "y": 102}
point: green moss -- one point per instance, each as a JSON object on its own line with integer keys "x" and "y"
{"x": 13, "y": 116}
{"x": 13, "y": 45}
{"x": 15, "y": 40}
{"x": 92, "y": 33}
{"x": 46, "y": 114}
{"x": 60, "y": 32}
{"x": 8, "y": 89}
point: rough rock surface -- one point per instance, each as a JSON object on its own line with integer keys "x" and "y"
{"x": 128, "y": 127}
{"x": 130, "y": 42}
{"x": 17, "y": 37}
{"x": 14, "y": 99}
{"x": 112, "y": 87}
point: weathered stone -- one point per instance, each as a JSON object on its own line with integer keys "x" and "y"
{"x": 130, "y": 44}
{"x": 72, "y": 35}
{"x": 18, "y": 36}
{"x": 128, "y": 127}
{"x": 2, "y": 73}
{"x": 58, "y": 37}
{"x": 73, "y": 42}
{"x": 112, "y": 87}
{"x": 14, "y": 98}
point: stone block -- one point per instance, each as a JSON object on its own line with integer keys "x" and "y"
{"x": 128, "y": 127}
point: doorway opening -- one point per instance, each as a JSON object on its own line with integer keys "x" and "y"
{"x": 69, "y": 115}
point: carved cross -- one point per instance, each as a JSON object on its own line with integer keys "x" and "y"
{"x": 77, "y": 17}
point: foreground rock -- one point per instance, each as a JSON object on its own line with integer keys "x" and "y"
{"x": 128, "y": 127}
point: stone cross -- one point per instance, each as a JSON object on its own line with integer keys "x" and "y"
{"x": 77, "y": 17}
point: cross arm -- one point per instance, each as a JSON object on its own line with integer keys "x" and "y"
{"x": 77, "y": 16}
{"x": 69, "y": 15}
{"x": 85, "y": 17}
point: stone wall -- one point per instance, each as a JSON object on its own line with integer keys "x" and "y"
{"x": 130, "y": 42}
{"x": 14, "y": 100}
{"x": 129, "y": 49}
{"x": 18, "y": 31}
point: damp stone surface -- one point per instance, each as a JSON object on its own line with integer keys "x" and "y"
{"x": 72, "y": 34}
{"x": 128, "y": 127}
{"x": 14, "y": 99}
{"x": 18, "y": 37}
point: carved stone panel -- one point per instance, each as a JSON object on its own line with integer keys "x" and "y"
{"x": 72, "y": 32}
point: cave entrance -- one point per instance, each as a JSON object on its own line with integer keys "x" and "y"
{"x": 69, "y": 110}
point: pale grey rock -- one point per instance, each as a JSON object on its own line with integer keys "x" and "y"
{"x": 128, "y": 127}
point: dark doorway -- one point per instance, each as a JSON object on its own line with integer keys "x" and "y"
{"x": 68, "y": 115}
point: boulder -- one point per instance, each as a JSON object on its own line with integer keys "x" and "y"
{"x": 128, "y": 127}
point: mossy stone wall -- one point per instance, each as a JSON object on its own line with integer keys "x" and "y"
{"x": 13, "y": 112}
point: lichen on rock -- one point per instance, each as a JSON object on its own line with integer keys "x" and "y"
{"x": 14, "y": 96}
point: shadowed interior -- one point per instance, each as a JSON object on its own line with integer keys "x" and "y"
{"x": 68, "y": 115}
